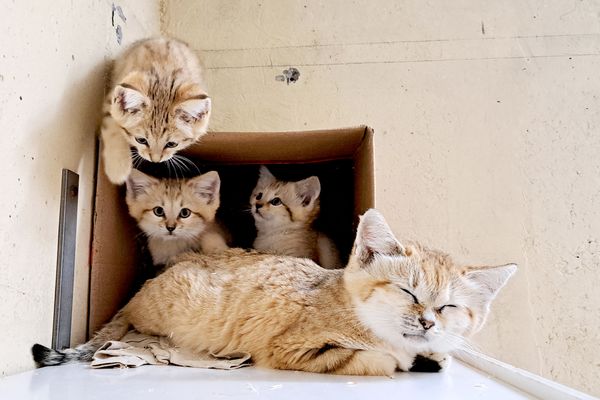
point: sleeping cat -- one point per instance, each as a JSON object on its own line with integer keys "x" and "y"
{"x": 157, "y": 105}
{"x": 394, "y": 307}
{"x": 284, "y": 214}
{"x": 176, "y": 215}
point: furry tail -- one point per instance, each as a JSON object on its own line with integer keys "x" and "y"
{"x": 114, "y": 330}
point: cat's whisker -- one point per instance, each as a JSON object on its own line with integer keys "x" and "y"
{"x": 187, "y": 161}
{"x": 178, "y": 164}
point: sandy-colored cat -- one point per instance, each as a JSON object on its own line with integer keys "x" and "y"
{"x": 176, "y": 215}
{"x": 157, "y": 104}
{"x": 284, "y": 214}
{"x": 393, "y": 307}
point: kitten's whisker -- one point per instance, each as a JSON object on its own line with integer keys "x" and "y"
{"x": 187, "y": 161}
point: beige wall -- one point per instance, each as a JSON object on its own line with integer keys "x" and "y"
{"x": 52, "y": 73}
{"x": 486, "y": 124}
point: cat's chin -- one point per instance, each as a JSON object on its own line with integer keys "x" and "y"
{"x": 416, "y": 338}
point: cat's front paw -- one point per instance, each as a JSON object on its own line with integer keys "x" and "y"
{"x": 430, "y": 362}
{"x": 118, "y": 168}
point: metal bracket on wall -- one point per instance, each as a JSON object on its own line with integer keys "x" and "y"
{"x": 65, "y": 268}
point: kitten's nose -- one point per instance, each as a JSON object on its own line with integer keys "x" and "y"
{"x": 427, "y": 324}
{"x": 258, "y": 206}
{"x": 170, "y": 228}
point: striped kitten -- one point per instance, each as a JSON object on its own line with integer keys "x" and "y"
{"x": 176, "y": 215}
{"x": 157, "y": 105}
{"x": 394, "y": 307}
{"x": 284, "y": 214}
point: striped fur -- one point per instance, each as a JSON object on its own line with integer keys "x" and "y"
{"x": 157, "y": 104}
{"x": 114, "y": 330}
{"x": 172, "y": 233}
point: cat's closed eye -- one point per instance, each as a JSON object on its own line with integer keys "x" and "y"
{"x": 171, "y": 145}
{"x": 413, "y": 296}
{"x": 440, "y": 309}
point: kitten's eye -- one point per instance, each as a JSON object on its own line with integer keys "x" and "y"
{"x": 259, "y": 196}
{"x": 171, "y": 144}
{"x": 275, "y": 202}
{"x": 444, "y": 306}
{"x": 159, "y": 211}
{"x": 185, "y": 212}
{"x": 141, "y": 140}
{"x": 413, "y": 296}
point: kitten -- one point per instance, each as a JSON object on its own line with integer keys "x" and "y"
{"x": 176, "y": 215}
{"x": 157, "y": 105}
{"x": 284, "y": 214}
{"x": 393, "y": 307}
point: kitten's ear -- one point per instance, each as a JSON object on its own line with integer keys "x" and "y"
{"x": 265, "y": 177}
{"x": 374, "y": 237}
{"x": 193, "y": 112}
{"x": 129, "y": 100}
{"x": 207, "y": 186}
{"x": 490, "y": 279}
{"x": 308, "y": 190}
{"x": 138, "y": 183}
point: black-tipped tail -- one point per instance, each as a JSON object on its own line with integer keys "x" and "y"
{"x": 44, "y": 356}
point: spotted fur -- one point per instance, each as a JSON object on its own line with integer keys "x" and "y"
{"x": 157, "y": 105}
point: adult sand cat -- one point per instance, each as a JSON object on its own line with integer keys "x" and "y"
{"x": 393, "y": 307}
{"x": 284, "y": 214}
{"x": 157, "y": 105}
{"x": 176, "y": 215}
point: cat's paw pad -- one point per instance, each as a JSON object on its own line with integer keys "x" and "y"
{"x": 430, "y": 362}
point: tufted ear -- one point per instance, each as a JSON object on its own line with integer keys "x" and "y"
{"x": 207, "y": 186}
{"x": 490, "y": 279}
{"x": 193, "y": 113}
{"x": 139, "y": 183}
{"x": 265, "y": 177}
{"x": 374, "y": 237}
{"x": 308, "y": 190}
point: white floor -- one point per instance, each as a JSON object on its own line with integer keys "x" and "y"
{"x": 156, "y": 382}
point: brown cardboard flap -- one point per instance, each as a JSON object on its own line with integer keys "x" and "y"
{"x": 278, "y": 147}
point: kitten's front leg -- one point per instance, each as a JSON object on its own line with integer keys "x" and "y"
{"x": 430, "y": 362}
{"x": 116, "y": 153}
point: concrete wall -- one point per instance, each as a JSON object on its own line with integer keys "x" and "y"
{"x": 52, "y": 72}
{"x": 486, "y": 119}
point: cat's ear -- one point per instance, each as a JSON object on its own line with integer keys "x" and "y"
{"x": 308, "y": 190}
{"x": 374, "y": 237}
{"x": 139, "y": 183}
{"x": 193, "y": 113}
{"x": 129, "y": 100}
{"x": 265, "y": 177}
{"x": 490, "y": 279}
{"x": 207, "y": 186}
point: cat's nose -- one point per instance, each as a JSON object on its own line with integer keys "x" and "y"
{"x": 427, "y": 324}
{"x": 258, "y": 206}
{"x": 170, "y": 228}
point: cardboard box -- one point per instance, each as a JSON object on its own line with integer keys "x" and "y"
{"x": 342, "y": 158}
